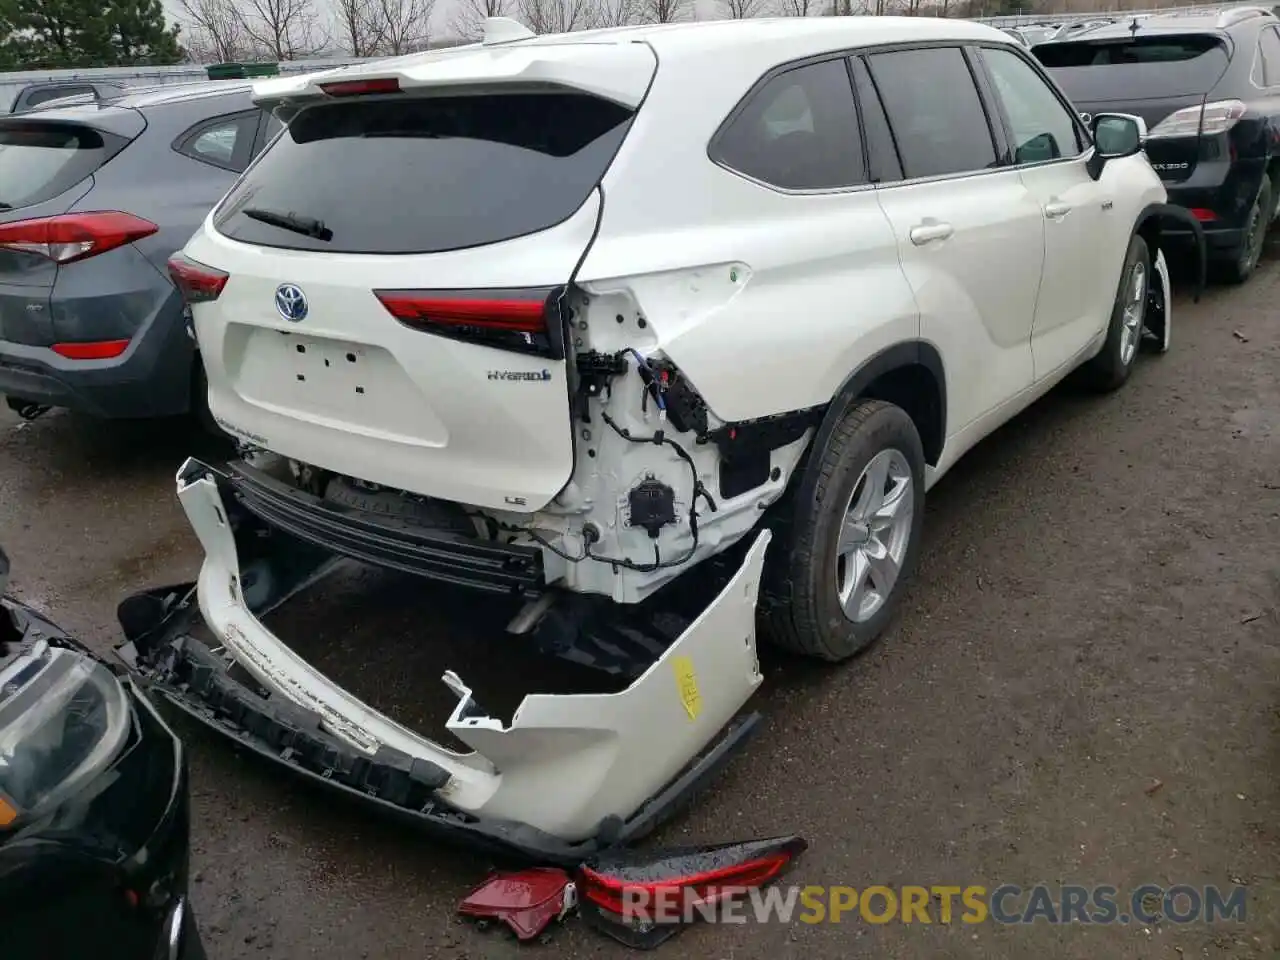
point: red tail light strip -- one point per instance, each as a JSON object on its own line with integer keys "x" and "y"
{"x": 74, "y": 236}
{"x": 359, "y": 88}
{"x": 196, "y": 282}
{"x": 523, "y": 320}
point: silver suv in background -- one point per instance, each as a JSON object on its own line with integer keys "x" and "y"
{"x": 94, "y": 198}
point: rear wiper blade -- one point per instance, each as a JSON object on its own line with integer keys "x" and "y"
{"x": 307, "y": 226}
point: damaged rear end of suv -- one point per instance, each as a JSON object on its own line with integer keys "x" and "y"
{"x": 630, "y": 329}
{"x": 433, "y": 389}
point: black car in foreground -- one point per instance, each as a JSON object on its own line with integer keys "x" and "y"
{"x": 1208, "y": 87}
{"x": 94, "y": 813}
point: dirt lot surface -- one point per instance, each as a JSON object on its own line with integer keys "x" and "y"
{"x": 1096, "y": 611}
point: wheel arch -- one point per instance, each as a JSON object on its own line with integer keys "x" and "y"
{"x": 911, "y": 375}
{"x": 1150, "y": 224}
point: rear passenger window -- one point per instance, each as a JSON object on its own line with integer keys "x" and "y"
{"x": 1269, "y": 54}
{"x": 934, "y": 111}
{"x": 223, "y": 142}
{"x": 799, "y": 131}
{"x": 1043, "y": 129}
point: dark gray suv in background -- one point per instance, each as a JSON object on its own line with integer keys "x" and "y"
{"x": 94, "y": 198}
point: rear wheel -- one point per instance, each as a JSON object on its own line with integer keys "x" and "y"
{"x": 1241, "y": 267}
{"x": 844, "y": 556}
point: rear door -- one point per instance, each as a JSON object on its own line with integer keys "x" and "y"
{"x": 1049, "y": 151}
{"x": 1152, "y": 77}
{"x": 46, "y": 167}
{"x": 970, "y": 234}
{"x": 392, "y": 263}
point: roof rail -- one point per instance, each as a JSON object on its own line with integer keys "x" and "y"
{"x": 1229, "y": 18}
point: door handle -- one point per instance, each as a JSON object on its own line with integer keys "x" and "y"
{"x": 930, "y": 231}
{"x": 1056, "y": 210}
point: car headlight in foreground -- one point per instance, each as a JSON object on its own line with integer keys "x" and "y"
{"x": 94, "y": 828}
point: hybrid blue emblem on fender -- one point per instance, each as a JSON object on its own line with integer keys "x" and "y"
{"x": 291, "y": 302}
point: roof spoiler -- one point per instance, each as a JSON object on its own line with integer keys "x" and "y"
{"x": 619, "y": 71}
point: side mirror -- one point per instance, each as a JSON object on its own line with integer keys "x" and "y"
{"x": 1115, "y": 135}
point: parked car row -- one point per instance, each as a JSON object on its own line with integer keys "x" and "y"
{"x": 94, "y": 198}
{"x": 1208, "y": 89}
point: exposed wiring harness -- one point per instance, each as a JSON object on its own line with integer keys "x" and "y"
{"x": 653, "y": 381}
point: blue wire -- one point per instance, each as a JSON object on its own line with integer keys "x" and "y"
{"x": 657, "y": 394}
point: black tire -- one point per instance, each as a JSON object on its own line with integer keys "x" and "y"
{"x": 1110, "y": 369}
{"x": 1240, "y": 267}
{"x": 800, "y": 605}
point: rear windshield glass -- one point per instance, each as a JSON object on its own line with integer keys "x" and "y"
{"x": 38, "y": 161}
{"x": 424, "y": 175}
{"x": 1137, "y": 68}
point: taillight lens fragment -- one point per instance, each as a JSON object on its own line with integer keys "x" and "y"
{"x": 526, "y": 321}
{"x": 196, "y": 282}
{"x": 74, "y": 236}
{"x": 644, "y": 899}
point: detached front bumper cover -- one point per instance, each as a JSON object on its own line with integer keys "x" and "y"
{"x": 569, "y": 775}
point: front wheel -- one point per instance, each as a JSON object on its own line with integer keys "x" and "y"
{"x": 844, "y": 556}
{"x": 1114, "y": 362}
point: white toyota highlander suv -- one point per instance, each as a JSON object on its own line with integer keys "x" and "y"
{"x": 561, "y": 317}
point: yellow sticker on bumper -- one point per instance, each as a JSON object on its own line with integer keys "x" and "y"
{"x": 687, "y": 684}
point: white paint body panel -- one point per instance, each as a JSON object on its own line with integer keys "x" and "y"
{"x": 766, "y": 301}
{"x": 565, "y": 762}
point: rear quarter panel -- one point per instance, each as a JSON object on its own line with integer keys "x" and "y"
{"x": 766, "y": 300}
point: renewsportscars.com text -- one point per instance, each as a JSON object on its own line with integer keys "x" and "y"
{"x": 1005, "y": 904}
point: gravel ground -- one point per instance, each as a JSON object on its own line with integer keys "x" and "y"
{"x": 1096, "y": 611}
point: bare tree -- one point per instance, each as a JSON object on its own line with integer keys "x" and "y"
{"x": 557, "y": 16}
{"x": 213, "y": 28}
{"x": 743, "y": 9}
{"x": 615, "y": 13}
{"x": 797, "y": 8}
{"x": 282, "y": 29}
{"x": 356, "y": 26}
{"x": 469, "y": 16}
{"x": 662, "y": 11}
{"x": 403, "y": 24}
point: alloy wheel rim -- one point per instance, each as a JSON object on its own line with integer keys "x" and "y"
{"x": 874, "y": 535}
{"x": 1253, "y": 240}
{"x": 1135, "y": 308}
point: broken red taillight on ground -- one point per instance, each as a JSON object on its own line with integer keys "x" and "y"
{"x": 196, "y": 282}
{"x": 74, "y": 236}
{"x": 639, "y": 899}
{"x": 527, "y": 901}
{"x": 526, "y": 321}
{"x": 643, "y": 899}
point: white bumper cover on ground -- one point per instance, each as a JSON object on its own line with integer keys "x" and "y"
{"x": 564, "y": 763}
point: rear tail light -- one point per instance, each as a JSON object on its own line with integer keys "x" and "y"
{"x": 94, "y": 350}
{"x": 74, "y": 236}
{"x": 526, "y": 321}
{"x": 643, "y": 899}
{"x": 1209, "y": 119}
{"x": 361, "y": 88}
{"x": 196, "y": 282}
